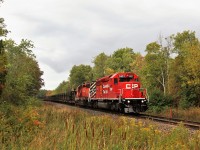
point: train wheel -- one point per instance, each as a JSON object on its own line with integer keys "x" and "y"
{"x": 137, "y": 109}
{"x": 121, "y": 108}
{"x": 95, "y": 104}
{"x": 114, "y": 107}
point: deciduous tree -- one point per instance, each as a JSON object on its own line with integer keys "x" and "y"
{"x": 99, "y": 68}
{"x": 154, "y": 67}
{"x": 3, "y": 59}
{"x": 186, "y": 77}
{"x": 120, "y": 60}
{"x": 63, "y": 87}
{"x": 80, "y": 74}
{"x": 23, "y": 78}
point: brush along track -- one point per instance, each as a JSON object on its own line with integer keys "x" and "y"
{"x": 165, "y": 120}
{"x": 189, "y": 124}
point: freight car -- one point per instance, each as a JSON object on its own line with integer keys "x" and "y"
{"x": 67, "y": 97}
{"x": 118, "y": 92}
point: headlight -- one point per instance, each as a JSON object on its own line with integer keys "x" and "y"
{"x": 128, "y": 101}
{"x": 143, "y": 100}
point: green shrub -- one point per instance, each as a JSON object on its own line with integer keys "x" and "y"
{"x": 158, "y": 101}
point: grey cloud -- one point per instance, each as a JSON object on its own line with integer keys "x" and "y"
{"x": 68, "y": 33}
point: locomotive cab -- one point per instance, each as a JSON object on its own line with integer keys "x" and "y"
{"x": 132, "y": 98}
{"x": 120, "y": 91}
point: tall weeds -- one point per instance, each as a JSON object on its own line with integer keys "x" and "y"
{"x": 61, "y": 128}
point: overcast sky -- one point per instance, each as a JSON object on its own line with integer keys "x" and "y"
{"x": 73, "y": 32}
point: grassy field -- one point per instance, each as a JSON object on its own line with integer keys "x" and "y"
{"x": 49, "y": 127}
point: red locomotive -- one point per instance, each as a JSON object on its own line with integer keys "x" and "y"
{"x": 119, "y": 92}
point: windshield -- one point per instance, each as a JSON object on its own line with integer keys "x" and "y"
{"x": 125, "y": 79}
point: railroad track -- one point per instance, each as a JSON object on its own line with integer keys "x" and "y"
{"x": 188, "y": 124}
{"x": 173, "y": 121}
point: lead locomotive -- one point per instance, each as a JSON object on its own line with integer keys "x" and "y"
{"x": 118, "y": 92}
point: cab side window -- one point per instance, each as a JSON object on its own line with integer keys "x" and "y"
{"x": 115, "y": 81}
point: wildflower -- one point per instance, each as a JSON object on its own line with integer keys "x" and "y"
{"x": 146, "y": 129}
{"x": 37, "y": 122}
{"x": 35, "y": 113}
{"x": 157, "y": 132}
{"x": 20, "y": 120}
{"x": 140, "y": 123}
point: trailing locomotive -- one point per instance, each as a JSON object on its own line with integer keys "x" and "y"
{"x": 118, "y": 92}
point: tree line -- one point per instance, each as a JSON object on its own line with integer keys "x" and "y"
{"x": 170, "y": 70}
{"x": 20, "y": 75}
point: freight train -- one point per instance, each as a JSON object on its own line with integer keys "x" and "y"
{"x": 117, "y": 92}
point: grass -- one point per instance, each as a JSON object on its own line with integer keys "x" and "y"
{"x": 190, "y": 114}
{"x": 49, "y": 127}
